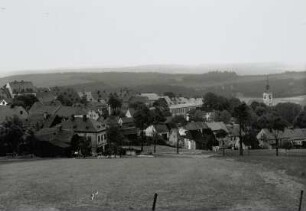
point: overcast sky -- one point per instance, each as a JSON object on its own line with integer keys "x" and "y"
{"x": 47, "y": 34}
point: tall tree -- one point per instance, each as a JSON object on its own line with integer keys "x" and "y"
{"x": 162, "y": 105}
{"x": 25, "y": 101}
{"x": 142, "y": 118}
{"x": 212, "y": 102}
{"x": 223, "y": 116}
{"x": 300, "y": 120}
{"x": 241, "y": 112}
{"x": 115, "y": 103}
{"x": 12, "y": 137}
{"x": 196, "y": 115}
{"x": 288, "y": 111}
{"x": 115, "y": 139}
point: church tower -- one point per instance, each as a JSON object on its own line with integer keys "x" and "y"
{"x": 267, "y": 95}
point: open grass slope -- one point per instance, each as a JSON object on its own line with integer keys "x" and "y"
{"x": 194, "y": 183}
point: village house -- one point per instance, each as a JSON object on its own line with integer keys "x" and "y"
{"x": 98, "y": 107}
{"x": 16, "y": 88}
{"x": 130, "y": 112}
{"x": 45, "y": 97}
{"x": 90, "y": 129}
{"x": 10, "y": 112}
{"x": 53, "y": 142}
{"x": 152, "y": 97}
{"x": 5, "y": 102}
{"x": 233, "y": 140}
{"x": 128, "y": 129}
{"x": 4, "y": 93}
{"x": 220, "y": 132}
{"x": 296, "y": 137}
{"x": 188, "y": 141}
{"x": 185, "y": 106}
{"x": 88, "y": 96}
{"x": 174, "y": 137}
{"x": 160, "y": 130}
{"x": 63, "y": 111}
{"x": 194, "y": 135}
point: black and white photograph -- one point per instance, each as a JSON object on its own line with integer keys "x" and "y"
{"x": 152, "y": 105}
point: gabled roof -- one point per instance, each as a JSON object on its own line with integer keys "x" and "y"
{"x": 68, "y": 111}
{"x": 45, "y": 97}
{"x": 126, "y": 120}
{"x": 55, "y": 136}
{"x": 80, "y": 125}
{"x": 132, "y": 111}
{"x": 22, "y": 87}
{"x": 129, "y": 131}
{"x": 292, "y": 134}
{"x": 215, "y": 126}
{"x": 167, "y": 99}
{"x": 39, "y": 108}
{"x": 196, "y": 126}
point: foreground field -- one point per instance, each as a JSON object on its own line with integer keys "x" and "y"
{"x": 193, "y": 182}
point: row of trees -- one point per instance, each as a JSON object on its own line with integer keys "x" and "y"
{"x": 256, "y": 116}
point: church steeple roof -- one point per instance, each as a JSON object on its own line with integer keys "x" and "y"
{"x": 267, "y": 85}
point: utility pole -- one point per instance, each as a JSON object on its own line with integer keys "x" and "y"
{"x": 177, "y": 143}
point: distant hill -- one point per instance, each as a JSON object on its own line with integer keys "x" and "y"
{"x": 227, "y": 83}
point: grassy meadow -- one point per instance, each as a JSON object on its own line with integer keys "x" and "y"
{"x": 190, "y": 181}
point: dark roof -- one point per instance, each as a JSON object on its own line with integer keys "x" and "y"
{"x": 126, "y": 120}
{"x": 45, "y": 97}
{"x": 55, "y": 136}
{"x": 196, "y": 126}
{"x": 40, "y": 120}
{"x": 62, "y": 111}
{"x": 78, "y": 124}
{"x": 8, "y": 111}
{"x": 22, "y": 87}
{"x": 129, "y": 130}
{"x": 161, "y": 128}
{"x": 292, "y": 134}
{"x": 68, "y": 111}
{"x": 39, "y": 108}
{"x": 215, "y": 126}
{"x": 195, "y": 135}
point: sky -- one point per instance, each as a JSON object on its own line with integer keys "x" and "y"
{"x": 51, "y": 34}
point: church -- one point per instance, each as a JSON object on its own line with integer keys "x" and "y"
{"x": 267, "y": 95}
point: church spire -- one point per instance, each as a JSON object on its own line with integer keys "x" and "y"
{"x": 267, "y": 85}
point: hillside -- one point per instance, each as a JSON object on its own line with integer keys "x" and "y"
{"x": 286, "y": 84}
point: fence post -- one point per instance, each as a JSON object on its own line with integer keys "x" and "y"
{"x": 154, "y": 202}
{"x": 301, "y": 199}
